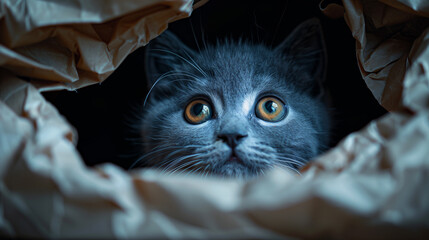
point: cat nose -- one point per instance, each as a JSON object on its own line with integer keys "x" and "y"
{"x": 232, "y": 139}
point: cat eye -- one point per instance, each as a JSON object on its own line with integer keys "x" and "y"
{"x": 198, "y": 111}
{"x": 270, "y": 109}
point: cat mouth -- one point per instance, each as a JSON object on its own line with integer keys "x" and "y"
{"x": 236, "y": 167}
{"x": 234, "y": 159}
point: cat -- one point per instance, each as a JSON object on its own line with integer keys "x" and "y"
{"x": 235, "y": 109}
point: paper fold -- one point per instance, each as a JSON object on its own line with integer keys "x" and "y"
{"x": 77, "y": 43}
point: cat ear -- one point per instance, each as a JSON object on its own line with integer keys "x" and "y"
{"x": 163, "y": 54}
{"x": 305, "y": 48}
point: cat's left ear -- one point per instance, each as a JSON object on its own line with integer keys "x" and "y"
{"x": 163, "y": 54}
{"x": 305, "y": 47}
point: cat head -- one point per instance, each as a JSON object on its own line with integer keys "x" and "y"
{"x": 235, "y": 109}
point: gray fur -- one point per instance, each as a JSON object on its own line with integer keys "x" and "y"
{"x": 224, "y": 75}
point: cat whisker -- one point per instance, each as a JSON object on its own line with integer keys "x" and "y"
{"x": 205, "y": 173}
{"x": 163, "y": 76}
{"x": 196, "y": 64}
{"x": 141, "y": 158}
{"x": 193, "y": 33}
{"x": 261, "y": 158}
{"x": 182, "y": 80}
{"x": 206, "y": 170}
{"x": 180, "y": 150}
{"x": 289, "y": 168}
{"x": 186, "y": 74}
{"x": 171, "y": 166}
{"x": 170, "y": 74}
{"x": 193, "y": 171}
{"x": 166, "y": 75}
{"x": 184, "y": 59}
{"x": 183, "y": 164}
{"x": 267, "y": 149}
{"x": 301, "y": 159}
{"x": 163, "y": 148}
{"x": 173, "y": 162}
{"x": 203, "y": 35}
{"x": 290, "y": 161}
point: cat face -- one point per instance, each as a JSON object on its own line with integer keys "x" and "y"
{"x": 235, "y": 109}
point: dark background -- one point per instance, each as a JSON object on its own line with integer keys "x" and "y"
{"x": 101, "y": 113}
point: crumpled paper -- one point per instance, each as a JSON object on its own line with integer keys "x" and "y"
{"x": 75, "y": 43}
{"x": 384, "y": 35}
{"x": 372, "y": 185}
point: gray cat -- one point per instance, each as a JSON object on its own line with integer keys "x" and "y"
{"x": 235, "y": 109}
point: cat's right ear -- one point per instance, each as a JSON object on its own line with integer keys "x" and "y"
{"x": 305, "y": 46}
{"x": 163, "y": 54}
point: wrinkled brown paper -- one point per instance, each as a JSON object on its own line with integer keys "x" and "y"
{"x": 75, "y": 43}
{"x": 373, "y": 184}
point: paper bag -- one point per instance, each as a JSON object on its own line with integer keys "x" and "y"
{"x": 372, "y": 185}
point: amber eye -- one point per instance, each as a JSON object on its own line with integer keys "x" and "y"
{"x": 198, "y": 111}
{"x": 270, "y": 109}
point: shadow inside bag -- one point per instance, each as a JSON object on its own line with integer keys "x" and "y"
{"x": 102, "y": 113}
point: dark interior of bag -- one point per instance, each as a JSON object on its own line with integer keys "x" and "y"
{"x": 102, "y": 113}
